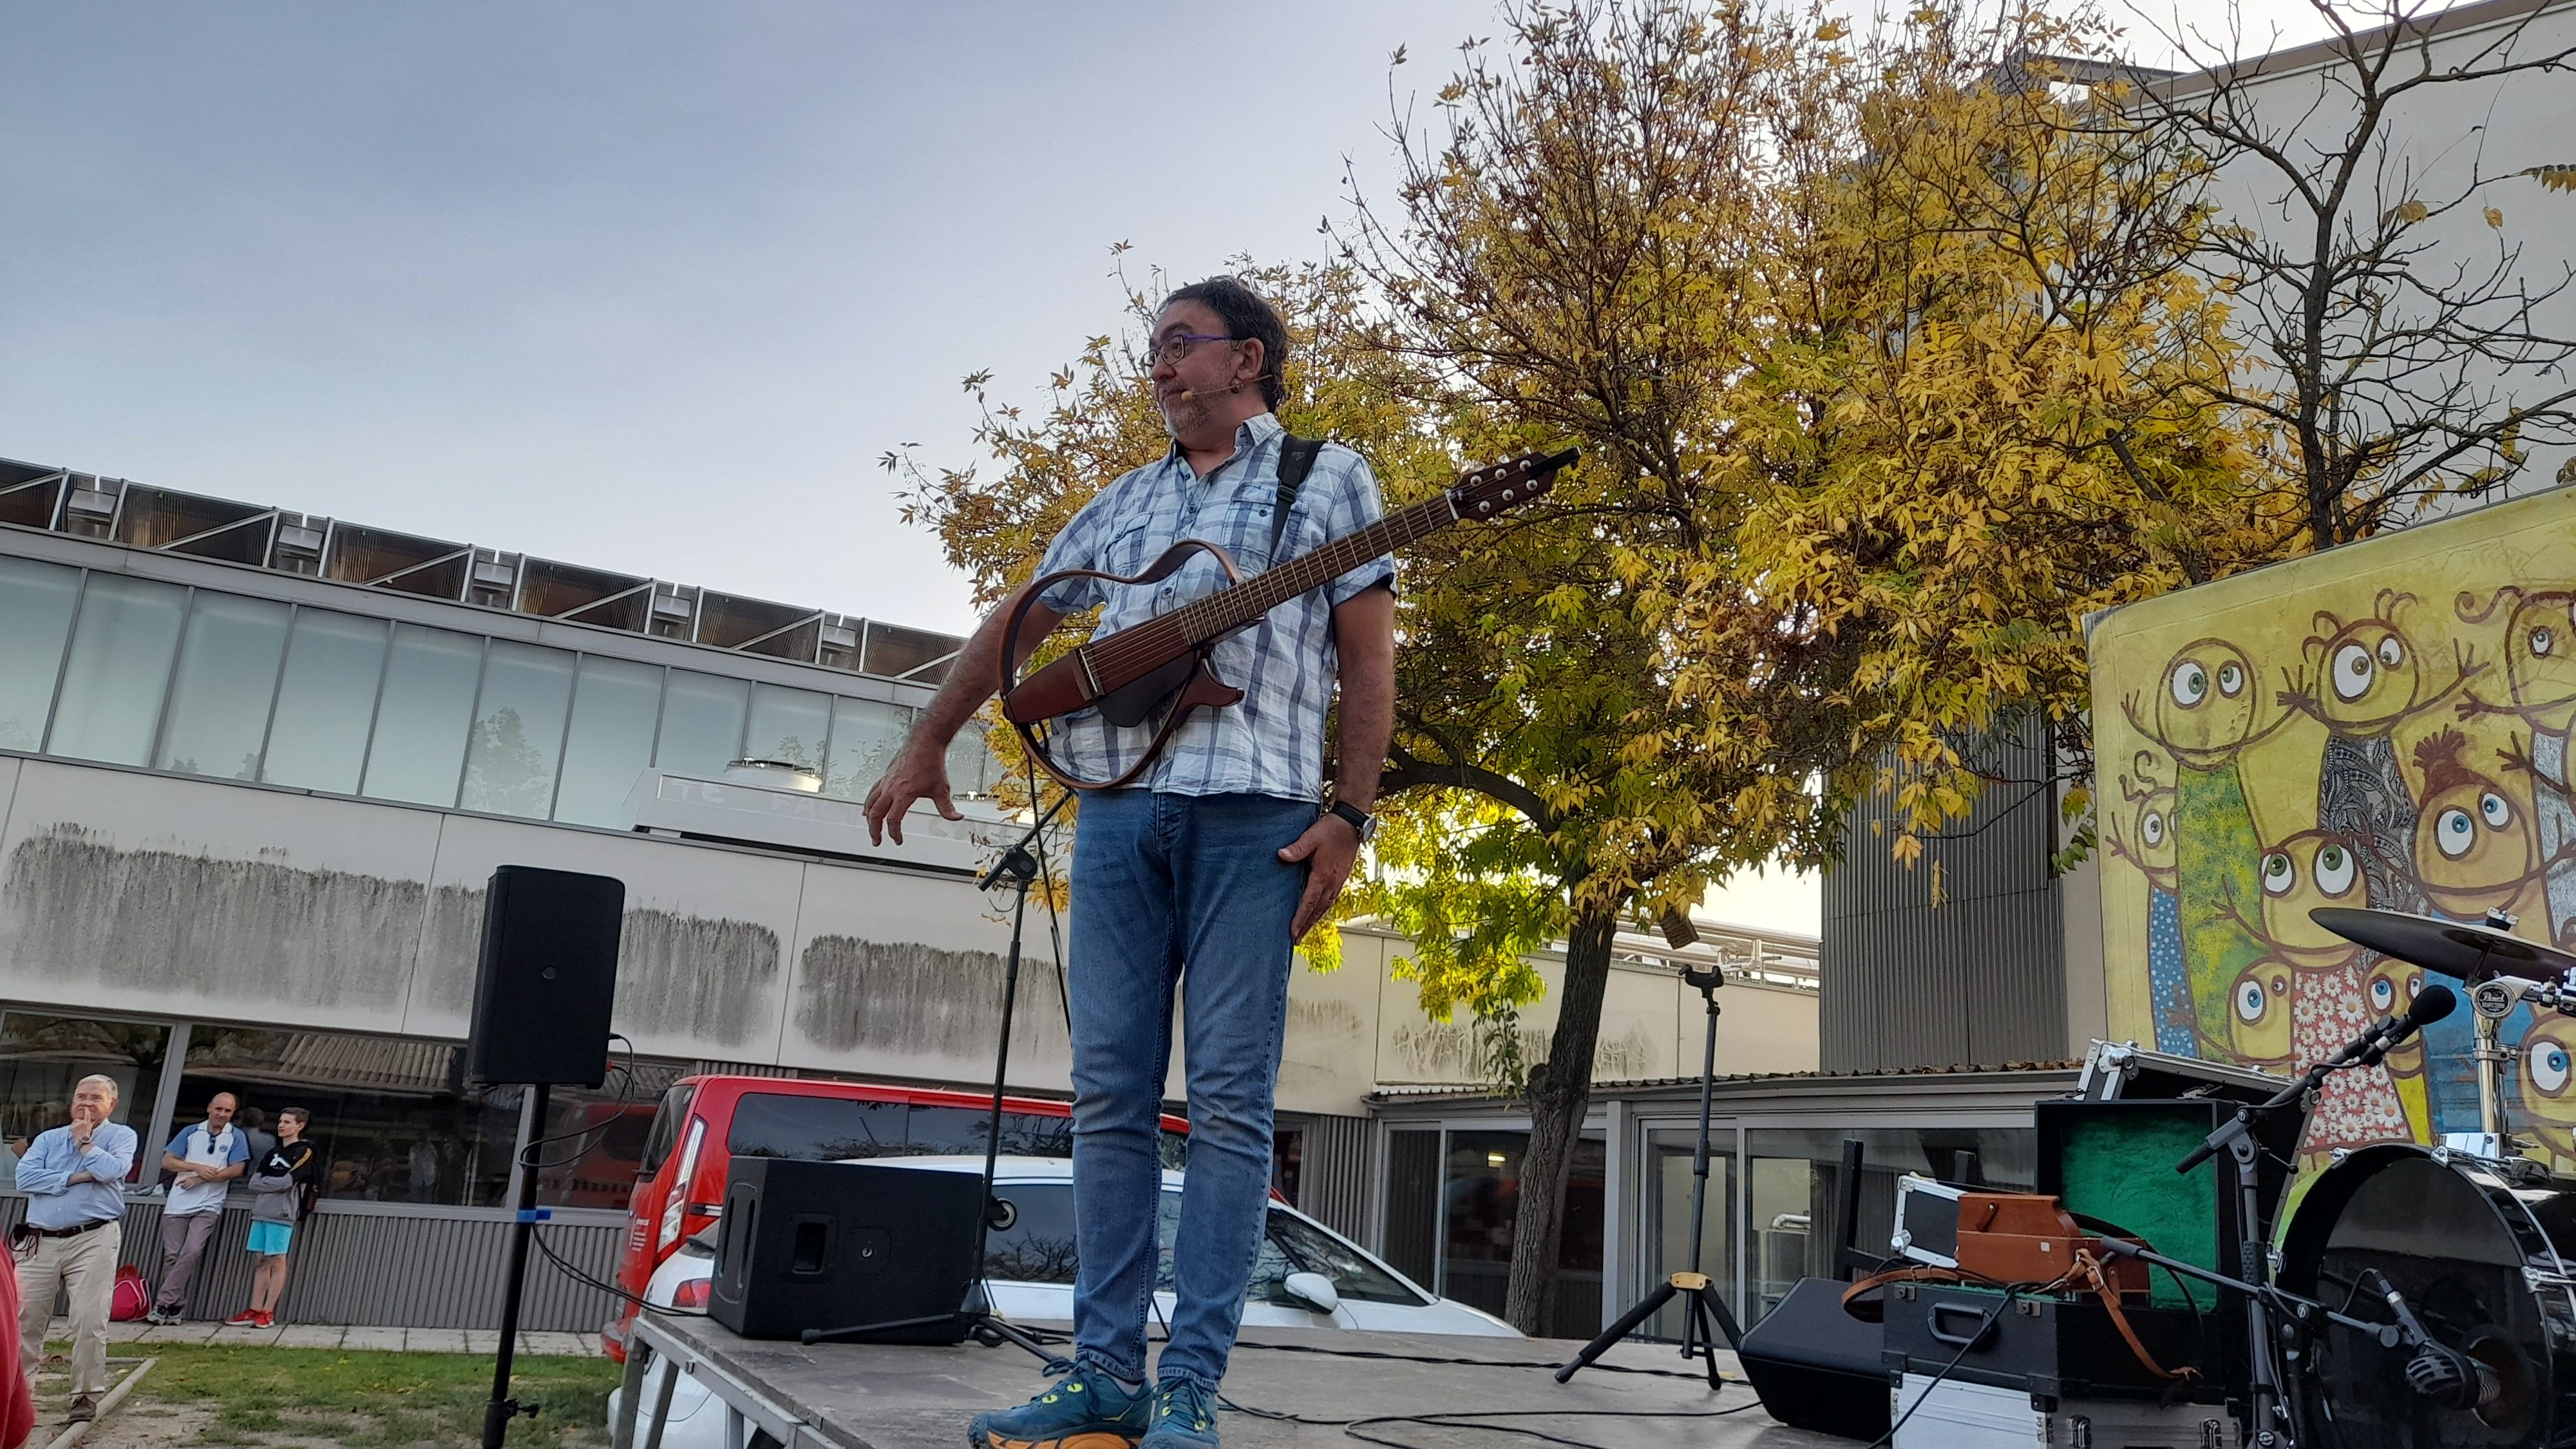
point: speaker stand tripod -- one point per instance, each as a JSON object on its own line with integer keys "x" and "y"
{"x": 1019, "y": 867}
{"x": 1706, "y": 1316}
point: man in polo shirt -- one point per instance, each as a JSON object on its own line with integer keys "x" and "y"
{"x": 74, "y": 1179}
{"x": 206, "y": 1158}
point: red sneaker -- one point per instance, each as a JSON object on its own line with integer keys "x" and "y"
{"x": 267, "y": 1320}
{"x": 247, "y": 1318}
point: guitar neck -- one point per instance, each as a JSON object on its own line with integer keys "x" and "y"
{"x": 1229, "y": 609}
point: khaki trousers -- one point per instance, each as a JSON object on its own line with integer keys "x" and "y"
{"x": 183, "y": 1242}
{"x": 85, "y": 1268}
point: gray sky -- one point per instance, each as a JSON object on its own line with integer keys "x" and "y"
{"x": 638, "y": 285}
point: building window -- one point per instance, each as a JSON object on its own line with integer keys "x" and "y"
{"x": 702, "y": 718}
{"x": 42, "y": 1056}
{"x": 518, "y": 730}
{"x": 1669, "y": 1179}
{"x": 1413, "y": 1205}
{"x": 1793, "y": 1190}
{"x": 1287, "y": 1161}
{"x": 326, "y": 702}
{"x": 226, "y": 680}
{"x": 395, "y": 1121}
{"x": 789, "y": 725}
{"x": 418, "y": 753}
{"x": 865, "y": 735}
{"x": 611, "y": 741}
{"x": 1481, "y": 1201}
{"x": 137, "y": 672}
{"x": 36, "y": 599}
{"x": 122, "y": 645}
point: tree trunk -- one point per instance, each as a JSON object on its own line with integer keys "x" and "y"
{"x": 1559, "y": 1090}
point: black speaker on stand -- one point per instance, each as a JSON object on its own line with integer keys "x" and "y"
{"x": 543, "y": 989}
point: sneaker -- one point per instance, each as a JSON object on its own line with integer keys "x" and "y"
{"x": 1184, "y": 1416}
{"x": 84, "y": 1409}
{"x": 266, "y": 1320}
{"x": 247, "y": 1318}
{"x": 1086, "y": 1409}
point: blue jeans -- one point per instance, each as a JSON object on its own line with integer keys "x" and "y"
{"x": 1188, "y": 892}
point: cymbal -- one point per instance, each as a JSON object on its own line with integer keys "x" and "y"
{"x": 2454, "y": 948}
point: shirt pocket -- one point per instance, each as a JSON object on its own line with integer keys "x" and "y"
{"x": 1242, "y": 528}
{"x": 1130, "y": 547}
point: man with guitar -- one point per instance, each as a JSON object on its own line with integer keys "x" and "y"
{"x": 1200, "y": 874}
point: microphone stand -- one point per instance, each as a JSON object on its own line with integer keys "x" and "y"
{"x": 1018, "y": 867}
{"x": 1707, "y": 1314}
{"x": 2267, "y": 1401}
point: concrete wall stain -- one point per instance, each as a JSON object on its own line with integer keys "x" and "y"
{"x": 707, "y": 978}
{"x": 75, "y": 907}
{"x": 1325, "y": 1019}
{"x": 902, "y": 996}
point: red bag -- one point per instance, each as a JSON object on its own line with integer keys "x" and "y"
{"x": 132, "y": 1300}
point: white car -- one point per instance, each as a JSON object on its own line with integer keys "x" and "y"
{"x": 1307, "y": 1276}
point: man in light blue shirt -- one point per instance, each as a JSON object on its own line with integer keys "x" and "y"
{"x": 1194, "y": 887}
{"x": 74, "y": 1179}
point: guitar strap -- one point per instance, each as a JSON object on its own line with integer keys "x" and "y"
{"x": 1296, "y": 460}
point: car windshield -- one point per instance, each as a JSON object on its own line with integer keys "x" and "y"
{"x": 824, "y": 1129}
{"x": 1038, "y": 1247}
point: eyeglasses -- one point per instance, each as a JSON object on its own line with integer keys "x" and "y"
{"x": 1177, "y": 346}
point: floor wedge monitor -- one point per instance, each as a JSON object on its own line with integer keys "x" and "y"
{"x": 833, "y": 1246}
{"x": 547, "y": 978}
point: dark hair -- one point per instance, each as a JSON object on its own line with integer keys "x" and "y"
{"x": 253, "y": 1118}
{"x": 1247, "y": 318}
{"x": 298, "y": 1113}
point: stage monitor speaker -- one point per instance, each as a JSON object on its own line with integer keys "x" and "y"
{"x": 547, "y": 978}
{"x": 834, "y": 1245}
{"x": 1815, "y": 1366}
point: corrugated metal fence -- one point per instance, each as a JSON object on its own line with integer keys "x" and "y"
{"x": 1978, "y": 979}
{"x": 392, "y": 1266}
{"x": 1334, "y": 1187}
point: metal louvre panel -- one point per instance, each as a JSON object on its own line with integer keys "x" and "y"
{"x": 386, "y": 1270}
{"x": 1978, "y": 980}
{"x": 1335, "y": 1188}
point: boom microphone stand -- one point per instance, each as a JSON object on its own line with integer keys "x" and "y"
{"x": 1019, "y": 867}
{"x": 1707, "y": 1315}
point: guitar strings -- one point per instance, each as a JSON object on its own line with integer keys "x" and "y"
{"x": 1182, "y": 627}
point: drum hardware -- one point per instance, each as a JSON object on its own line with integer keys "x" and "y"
{"x": 2268, "y": 1401}
{"x": 2499, "y": 968}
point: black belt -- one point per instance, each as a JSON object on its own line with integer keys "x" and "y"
{"x": 70, "y": 1232}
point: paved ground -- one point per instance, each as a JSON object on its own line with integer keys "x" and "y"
{"x": 302, "y": 1335}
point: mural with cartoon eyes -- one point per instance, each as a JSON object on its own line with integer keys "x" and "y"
{"x": 2316, "y": 734}
{"x": 2205, "y": 707}
{"x": 2311, "y": 869}
{"x": 2538, "y": 645}
{"x": 2260, "y": 1000}
{"x": 2547, "y": 1072}
{"x": 2475, "y": 850}
{"x": 2364, "y": 676}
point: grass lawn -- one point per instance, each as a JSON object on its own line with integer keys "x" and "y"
{"x": 355, "y": 1397}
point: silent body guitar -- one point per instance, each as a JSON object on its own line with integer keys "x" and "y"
{"x": 1158, "y": 672}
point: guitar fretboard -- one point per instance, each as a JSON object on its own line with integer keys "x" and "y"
{"x": 1230, "y": 609}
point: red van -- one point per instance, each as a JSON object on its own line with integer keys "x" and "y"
{"x": 705, "y": 1121}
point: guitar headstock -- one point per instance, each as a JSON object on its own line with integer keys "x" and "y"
{"x": 1496, "y": 487}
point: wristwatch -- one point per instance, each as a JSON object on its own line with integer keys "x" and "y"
{"x": 1352, "y": 815}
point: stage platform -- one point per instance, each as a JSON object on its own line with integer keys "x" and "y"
{"x": 869, "y": 1397}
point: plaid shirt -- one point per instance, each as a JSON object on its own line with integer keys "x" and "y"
{"x": 1272, "y": 743}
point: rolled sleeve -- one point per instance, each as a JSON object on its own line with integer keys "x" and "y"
{"x": 109, "y": 1159}
{"x": 1076, "y": 547}
{"x": 1349, "y": 503}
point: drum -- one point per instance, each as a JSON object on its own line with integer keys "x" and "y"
{"x": 2475, "y": 1249}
